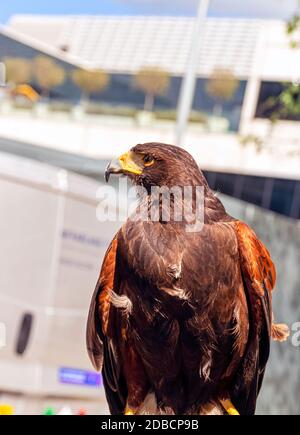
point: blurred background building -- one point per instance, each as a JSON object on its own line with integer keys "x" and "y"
{"x": 80, "y": 90}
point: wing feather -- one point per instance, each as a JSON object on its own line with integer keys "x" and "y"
{"x": 99, "y": 341}
{"x": 98, "y": 317}
{"x": 259, "y": 277}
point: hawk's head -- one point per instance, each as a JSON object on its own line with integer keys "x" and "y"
{"x": 157, "y": 164}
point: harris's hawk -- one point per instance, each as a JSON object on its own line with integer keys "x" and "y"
{"x": 180, "y": 321}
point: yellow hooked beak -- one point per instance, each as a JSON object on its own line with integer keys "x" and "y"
{"x": 125, "y": 164}
{"x": 128, "y": 164}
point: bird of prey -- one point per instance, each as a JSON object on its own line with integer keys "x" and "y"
{"x": 181, "y": 321}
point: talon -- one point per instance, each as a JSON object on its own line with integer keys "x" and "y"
{"x": 129, "y": 411}
{"x": 229, "y": 407}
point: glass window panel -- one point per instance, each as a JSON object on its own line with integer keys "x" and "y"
{"x": 282, "y": 197}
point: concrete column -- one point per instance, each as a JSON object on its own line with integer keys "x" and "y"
{"x": 2, "y": 74}
{"x": 249, "y": 105}
{"x": 253, "y": 87}
{"x": 189, "y": 80}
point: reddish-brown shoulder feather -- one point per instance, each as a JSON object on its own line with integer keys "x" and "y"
{"x": 97, "y": 323}
{"x": 259, "y": 271}
{"x": 256, "y": 260}
{"x": 109, "y": 347}
{"x": 259, "y": 277}
{"x": 106, "y": 284}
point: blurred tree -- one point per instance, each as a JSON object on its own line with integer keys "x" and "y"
{"x": 48, "y": 74}
{"x": 293, "y": 30}
{"x": 286, "y": 105}
{"x": 290, "y": 99}
{"x": 90, "y": 81}
{"x": 18, "y": 70}
{"x": 153, "y": 82}
{"x": 293, "y": 27}
{"x": 221, "y": 86}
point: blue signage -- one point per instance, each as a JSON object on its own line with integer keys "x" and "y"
{"x": 79, "y": 377}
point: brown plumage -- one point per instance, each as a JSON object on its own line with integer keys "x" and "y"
{"x": 184, "y": 316}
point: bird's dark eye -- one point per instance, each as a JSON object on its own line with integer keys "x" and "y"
{"x": 148, "y": 160}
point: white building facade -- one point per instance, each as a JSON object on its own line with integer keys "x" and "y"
{"x": 255, "y": 51}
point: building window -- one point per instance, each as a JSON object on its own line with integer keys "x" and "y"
{"x": 279, "y": 195}
{"x": 269, "y": 102}
{"x": 282, "y": 196}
